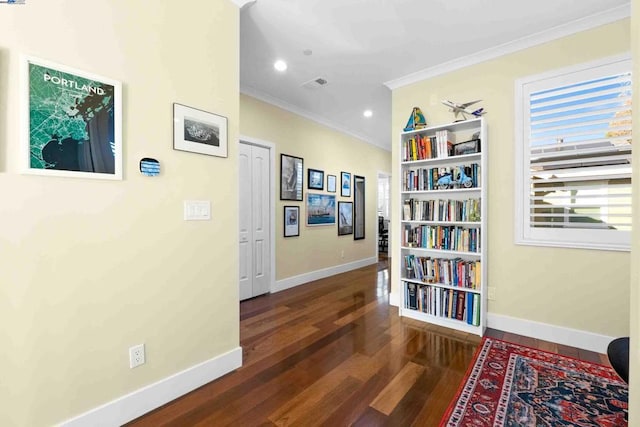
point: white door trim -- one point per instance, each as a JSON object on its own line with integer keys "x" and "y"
{"x": 382, "y": 174}
{"x": 272, "y": 199}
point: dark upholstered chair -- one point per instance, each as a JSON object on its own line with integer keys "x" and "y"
{"x": 618, "y": 353}
{"x": 383, "y": 234}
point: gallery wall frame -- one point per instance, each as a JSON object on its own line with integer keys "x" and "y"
{"x": 199, "y": 131}
{"x": 291, "y": 177}
{"x": 358, "y": 207}
{"x": 345, "y": 184}
{"x": 291, "y": 221}
{"x": 315, "y": 179}
{"x": 331, "y": 183}
{"x": 345, "y": 218}
{"x": 321, "y": 209}
{"x": 71, "y": 122}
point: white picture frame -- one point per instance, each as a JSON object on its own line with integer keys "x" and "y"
{"x": 71, "y": 121}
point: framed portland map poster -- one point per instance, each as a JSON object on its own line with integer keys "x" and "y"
{"x": 71, "y": 123}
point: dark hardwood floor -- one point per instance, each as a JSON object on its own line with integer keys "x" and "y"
{"x": 334, "y": 353}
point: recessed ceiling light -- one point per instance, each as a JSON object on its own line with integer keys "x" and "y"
{"x": 280, "y": 65}
{"x": 368, "y": 113}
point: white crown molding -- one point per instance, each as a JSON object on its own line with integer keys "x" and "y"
{"x": 560, "y": 31}
{"x": 255, "y": 93}
{"x": 241, "y": 3}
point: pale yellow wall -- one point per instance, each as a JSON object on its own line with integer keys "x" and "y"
{"x": 328, "y": 150}
{"x": 88, "y": 267}
{"x": 581, "y": 289}
{"x": 634, "y": 356}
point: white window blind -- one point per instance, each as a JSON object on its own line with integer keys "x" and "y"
{"x": 575, "y": 157}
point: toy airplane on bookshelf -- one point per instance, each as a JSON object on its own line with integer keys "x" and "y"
{"x": 461, "y": 109}
{"x": 416, "y": 121}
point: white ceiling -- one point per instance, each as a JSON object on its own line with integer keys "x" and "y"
{"x": 365, "y": 47}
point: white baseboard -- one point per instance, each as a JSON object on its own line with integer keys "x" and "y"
{"x": 291, "y": 282}
{"x": 557, "y": 334}
{"x": 141, "y": 401}
{"x": 394, "y": 299}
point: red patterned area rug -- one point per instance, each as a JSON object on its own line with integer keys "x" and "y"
{"x": 513, "y": 385}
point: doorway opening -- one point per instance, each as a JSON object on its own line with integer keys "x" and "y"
{"x": 384, "y": 213}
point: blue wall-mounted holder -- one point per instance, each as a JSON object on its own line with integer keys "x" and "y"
{"x": 149, "y": 167}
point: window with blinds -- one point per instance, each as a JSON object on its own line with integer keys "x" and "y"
{"x": 574, "y": 157}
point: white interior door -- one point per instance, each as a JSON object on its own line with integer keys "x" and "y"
{"x": 254, "y": 219}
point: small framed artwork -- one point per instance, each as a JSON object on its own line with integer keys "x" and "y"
{"x": 321, "y": 209}
{"x": 331, "y": 183}
{"x": 291, "y": 221}
{"x": 345, "y": 218}
{"x": 315, "y": 179}
{"x": 291, "y": 178}
{"x": 467, "y": 147}
{"x": 72, "y": 121}
{"x": 198, "y": 131}
{"x": 345, "y": 184}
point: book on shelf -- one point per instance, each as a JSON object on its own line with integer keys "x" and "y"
{"x": 442, "y": 237}
{"x": 445, "y": 141}
{"x": 411, "y": 296}
{"x": 476, "y": 310}
{"x": 445, "y": 303}
{"x": 455, "y": 272}
{"x": 423, "y": 147}
{"x": 407, "y": 210}
{"x": 460, "y": 306}
{"x": 441, "y": 210}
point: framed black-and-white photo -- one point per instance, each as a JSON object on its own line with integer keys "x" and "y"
{"x": 291, "y": 221}
{"x": 198, "y": 131}
{"x": 467, "y": 147}
{"x": 331, "y": 183}
{"x": 345, "y": 184}
{"x": 359, "y": 205}
{"x": 345, "y": 218}
{"x": 291, "y": 178}
{"x": 72, "y": 121}
{"x": 315, "y": 179}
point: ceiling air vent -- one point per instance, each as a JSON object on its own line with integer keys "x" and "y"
{"x": 316, "y": 83}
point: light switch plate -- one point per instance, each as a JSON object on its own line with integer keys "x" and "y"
{"x": 197, "y": 210}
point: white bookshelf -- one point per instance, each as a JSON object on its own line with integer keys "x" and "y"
{"x": 454, "y": 299}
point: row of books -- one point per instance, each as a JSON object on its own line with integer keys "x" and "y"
{"x": 441, "y": 210}
{"x": 441, "y": 302}
{"x": 451, "y": 238}
{"x": 422, "y": 147}
{"x": 424, "y": 179}
{"x": 447, "y": 271}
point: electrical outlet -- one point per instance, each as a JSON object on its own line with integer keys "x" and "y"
{"x": 136, "y": 356}
{"x": 492, "y": 293}
{"x": 342, "y": 254}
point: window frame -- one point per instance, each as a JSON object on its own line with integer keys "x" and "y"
{"x": 616, "y": 240}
